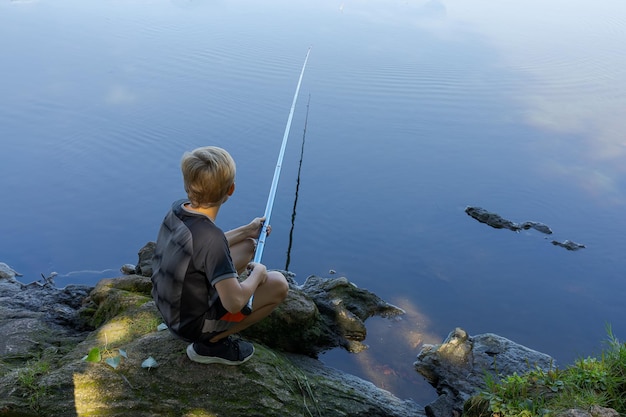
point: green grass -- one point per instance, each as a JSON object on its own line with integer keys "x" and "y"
{"x": 28, "y": 379}
{"x": 543, "y": 393}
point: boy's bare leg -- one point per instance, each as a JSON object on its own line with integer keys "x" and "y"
{"x": 266, "y": 298}
{"x": 242, "y": 254}
{"x": 243, "y": 251}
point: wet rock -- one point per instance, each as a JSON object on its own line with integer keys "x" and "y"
{"x": 540, "y": 227}
{"x": 7, "y": 272}
{"x": 568, "y": 244}
{"x": 456, "y": 367}
{"x": 322, "y": 314}
{"x": 36, "y": 318}
{"x": 144, "y": 267}
{"x": 45, "y": 281}
{"x": 128, "y": 269}
{"x": 498, "y": 222}
{"x": 492, "y": 219}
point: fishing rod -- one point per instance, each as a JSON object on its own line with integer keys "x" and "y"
{"x": 247, "y": 309}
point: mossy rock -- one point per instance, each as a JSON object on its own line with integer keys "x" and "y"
{"x": 270, "y": 384}
{"x": 113, "y": 296}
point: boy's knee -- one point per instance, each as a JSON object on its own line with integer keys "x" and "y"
{"x": 281, "y": 287}
{"x": 251, "y": 245}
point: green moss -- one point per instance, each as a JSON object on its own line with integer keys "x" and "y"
{"x": 87, "y": 313}
{"x": 125, "y": 328}
{"x": 28, "y": 379}
{"x": 116, "y": 302}
{"x": 142, "y": 323}
{"x": 199, "y": 413}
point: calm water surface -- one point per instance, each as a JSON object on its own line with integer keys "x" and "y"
{"x": 417, "y": 109}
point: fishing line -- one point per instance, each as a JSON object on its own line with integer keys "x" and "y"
{"x": 84, "y": 271}
{"x": 295, "y": 201}
{"x": 247, "y": 309}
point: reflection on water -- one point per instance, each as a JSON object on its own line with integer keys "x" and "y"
{"x": 393, "y": 344}
{"x": 418, "y": 109}
{"x": 575, "y": 65}
{"x": 295, "y": 199}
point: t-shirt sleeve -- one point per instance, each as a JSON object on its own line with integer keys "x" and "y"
{"x": 218, "y": 263}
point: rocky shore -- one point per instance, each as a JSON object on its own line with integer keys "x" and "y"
{"x": 79, "y": 351}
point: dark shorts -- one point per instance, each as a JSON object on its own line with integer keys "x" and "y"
{"x": 217, "y": 320}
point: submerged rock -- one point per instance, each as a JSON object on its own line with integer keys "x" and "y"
{"x": 568, "y": 244}
{"x": 492, "y": 219}
{"x": 540, "y": 227}
{"x": 496, "y": 221}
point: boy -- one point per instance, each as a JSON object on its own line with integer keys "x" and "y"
{"x": 196, "y": 266}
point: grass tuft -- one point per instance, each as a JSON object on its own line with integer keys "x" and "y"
{"x": 539, "y": 392}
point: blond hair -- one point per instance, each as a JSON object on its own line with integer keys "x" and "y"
{"x": 208, "y": 174}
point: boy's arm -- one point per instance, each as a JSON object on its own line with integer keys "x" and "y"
{"x": 250, "y": 230}
{"x": 235, "y": 294}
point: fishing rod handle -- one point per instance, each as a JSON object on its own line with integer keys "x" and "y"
{"x": 247, "y": 309}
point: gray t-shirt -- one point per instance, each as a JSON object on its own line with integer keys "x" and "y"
{"x": 190, "y": 257}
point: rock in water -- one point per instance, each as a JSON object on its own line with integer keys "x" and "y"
{"x": 457, "y": 367}
{"x": 540, "y": 227}
{"x": 7, "y": 272}
{"x": 496, "y": 221}
{"x": 492, "y": 219}
{"x": 568, "y": 244}
{"x": 128, "y": 269}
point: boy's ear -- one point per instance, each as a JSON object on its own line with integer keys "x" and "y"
{"x": 231, "y": 190}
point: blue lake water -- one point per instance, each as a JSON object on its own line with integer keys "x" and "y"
{"x": 417, "y": 109}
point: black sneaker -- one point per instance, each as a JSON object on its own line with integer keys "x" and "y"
{"x": 227, "y": 351}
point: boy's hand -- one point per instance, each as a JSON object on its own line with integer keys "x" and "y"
{"x": 256, "y": 225}
{"x": 258, "y": 269}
